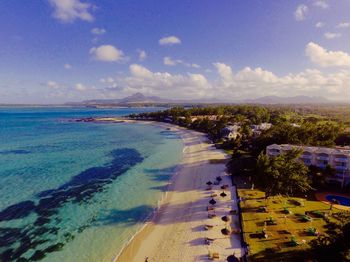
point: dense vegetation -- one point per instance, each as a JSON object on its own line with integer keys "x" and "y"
{"x": 282, "y": 174}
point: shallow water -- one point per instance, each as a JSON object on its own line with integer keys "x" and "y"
{"x": 72, "y": 191}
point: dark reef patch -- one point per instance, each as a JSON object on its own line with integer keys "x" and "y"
{"x": 15, "y": 152}
{"x": 15, "y": 242}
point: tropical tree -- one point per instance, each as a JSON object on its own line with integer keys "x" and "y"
{"x": 283, "y": 174}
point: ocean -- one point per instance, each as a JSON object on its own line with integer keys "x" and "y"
{"x": 76, "y": 191}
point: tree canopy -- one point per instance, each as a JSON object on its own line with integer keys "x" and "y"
{"x": 283, "y": 174}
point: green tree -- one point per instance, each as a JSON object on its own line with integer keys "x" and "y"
{"x": 283, "y": 174}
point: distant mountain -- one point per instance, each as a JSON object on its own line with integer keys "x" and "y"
{"x": 288, "y": 100}
{"x": 139, "y": 98}
{"x": 136, "y": 98}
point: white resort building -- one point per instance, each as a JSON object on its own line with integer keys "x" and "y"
{"x": 337, "y": 157}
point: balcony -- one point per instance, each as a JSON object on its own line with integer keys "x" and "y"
{"x": 307, "y": 162}
{"x": 323, "y": 158}
{"x": 340, "y": 168}
{"x": 306, "y": 156}
{"x": 321, "y": 165}
{"x": 341, "y": 175}
{"x": 341, "y": 159}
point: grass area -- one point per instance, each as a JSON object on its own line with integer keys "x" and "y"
{"x": 288, "y": 225}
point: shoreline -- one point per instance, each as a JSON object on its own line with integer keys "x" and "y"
{"x": 181, "y": 212}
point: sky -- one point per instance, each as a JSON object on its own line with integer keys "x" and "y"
{"x": 57, "y": 51}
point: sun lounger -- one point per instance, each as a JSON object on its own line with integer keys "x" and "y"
{"x": 211, "y": 215}
{"x": 208, "y": 227}
{"x": 305, "y": 218}
{"x": 293, "y": 242}
{"x": 214, "y": 195}
{"x": 210, "y": 208}
{"x": 213, "y": 255}
{"x": 209, "y": 241}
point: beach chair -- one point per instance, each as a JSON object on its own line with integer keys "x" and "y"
{"x": 211, "y": 215}
{"x": 209, "y": 241}
{"x": 210, "y": 208}
{"x": 213, "y": 255}
{"x": 271, "y": 221}
{"x": 214, "y": 195}
{"x": 305, "y": 218}
{"x": 208, "y": 227}
{"x": 287, "y": 211}
{"x": 294, "y": 242}
{"x": 312, "y": 231}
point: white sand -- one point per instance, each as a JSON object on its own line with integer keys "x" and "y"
{"x": 177, "y": 231}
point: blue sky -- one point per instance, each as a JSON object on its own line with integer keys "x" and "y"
{"x": 54, "y": 51}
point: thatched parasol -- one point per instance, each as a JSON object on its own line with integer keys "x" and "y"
{"x": 223, "y": 194}
{"x": 232, "y": 258}
{"x": 212, "y": 201}
{"x": 218, "y": 178}
{"x": 225, "y": 218}
{"x": 209, "y": 183}
{"x": 225, "y": 231}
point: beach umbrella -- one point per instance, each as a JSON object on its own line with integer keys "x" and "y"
{"x": 212, "y": 201}
{"x": 225, "y": 218}
{"x": 218, "y": 178}
{"x": 209, "y": 183}
{"x": 225, "y": 231}
{"x": 232, "y": 258}
{"x": 223, "y": 194}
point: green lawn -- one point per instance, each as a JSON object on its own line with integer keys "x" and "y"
{"x": 288, "y": 226}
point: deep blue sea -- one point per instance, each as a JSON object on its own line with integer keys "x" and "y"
{"x": 74, "y": 191}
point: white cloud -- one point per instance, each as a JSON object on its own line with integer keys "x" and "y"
{"x": 52, "y": 84}
{"x": 98, "y": 31}
{"x": 320, "y": 24}
{"x": 329, "y": 35}
{"x": 143, "y": 80}
{"x": 170, "y": 62}
{"x": 107, "y": 53}
{"x": 248, "y": 83}
{"x": 68, "y": 11}
{"x": 67, "y": 66}
{"x": 140, "y": 71}
{"x": 224, "y": 71}
{"x": 324, "y": 58}
{"x": 321, "y": 3}
{"x": 301, "y": 12}
{"x": 245, "y": 83}
{"x": 167, "y": 60}
{"x": 343, "y": 25}
{"x": 80, "y": 87}
{"x": 109, "y": 82}
{"x": 169, "y": 40}
{"x": 142, "y": 54}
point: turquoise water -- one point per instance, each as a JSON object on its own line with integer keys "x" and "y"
{"x": 72, "y": 191}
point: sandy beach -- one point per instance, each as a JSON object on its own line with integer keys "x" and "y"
{"x": 177, "y": 230}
